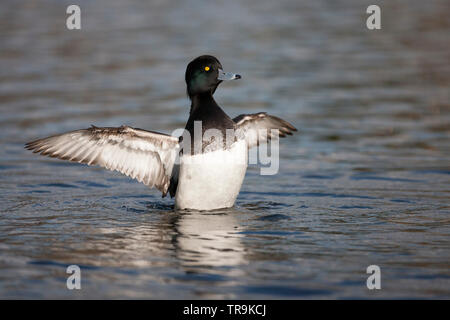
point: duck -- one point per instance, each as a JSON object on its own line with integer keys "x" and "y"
{"x": 201, "y": 174}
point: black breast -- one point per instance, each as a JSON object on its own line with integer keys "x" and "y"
{"x": 211, "y": 116}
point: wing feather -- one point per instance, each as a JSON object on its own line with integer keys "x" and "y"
{"x": 146, "y": 156}
{"x": 257, "y": 127}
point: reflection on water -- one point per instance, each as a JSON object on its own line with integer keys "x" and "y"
{"x": 209, "y": 239}
{"x": 364, "y": 182}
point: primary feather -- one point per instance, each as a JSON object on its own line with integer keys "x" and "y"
{"x": 258, "y": 126}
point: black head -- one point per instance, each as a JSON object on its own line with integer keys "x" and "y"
{"x": 204, "y": 74}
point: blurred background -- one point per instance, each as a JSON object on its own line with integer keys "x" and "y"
{"x": 366, "y": 180}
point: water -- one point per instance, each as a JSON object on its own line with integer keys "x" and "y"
{"x": 366, "y": 180}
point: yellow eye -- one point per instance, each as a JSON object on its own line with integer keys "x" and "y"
{"x": 206, "y": 68}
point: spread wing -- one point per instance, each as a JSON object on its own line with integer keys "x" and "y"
{"x": 142, "y": 155}
{"x": 252, "y": 125}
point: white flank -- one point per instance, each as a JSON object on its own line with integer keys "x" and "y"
{"x": 211, "y": 180}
